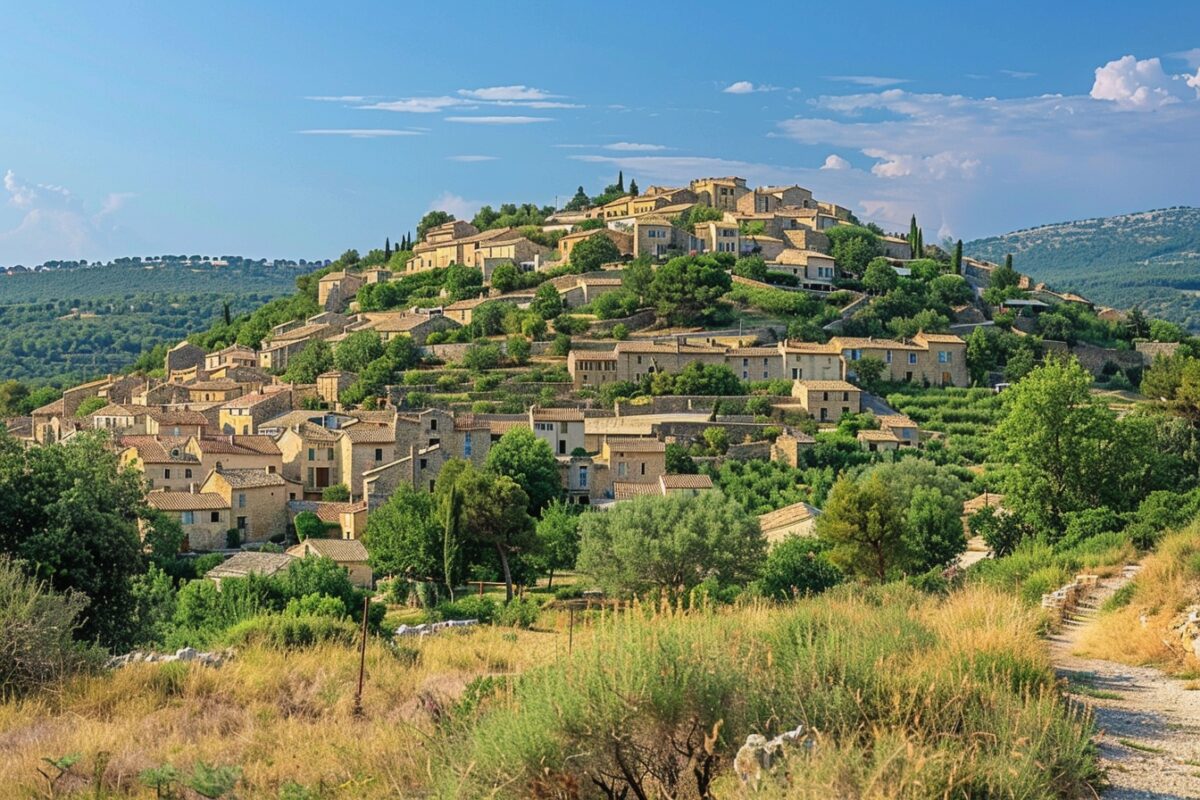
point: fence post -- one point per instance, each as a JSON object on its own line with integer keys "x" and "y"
{"x": 362, "y": 659}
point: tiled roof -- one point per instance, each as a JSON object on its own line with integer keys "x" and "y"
{"x": 118, "y": 410}
{"x": 252, "y": 399}
{"x": 861, "y": 343}
{"x": 178, "y": 417}
{"x": 877, "y": 436}
{"x": 366, "y": 434}
{"x": 896, "y": 421}
{"x": 635, "y": 444}
{"x": 250, "y": 478}
{"x": 247, "y": 563}
{"x": 243, "y": 444}
{"x": 340, "y": 550}
{"x": 400, "y": 323}
{"x": 941, "y": 338}
{"x": 809, "y": 347}
{"x": 752, "y": 351}
{"x": 828, "y": 386}
{"x": 669, "y": 482}
{"x": 152, "y": 450}
{"x": 186, "y": 501}
{"x": 557, "y": 415}
{"x": 623, "y": 490}
{"x": 218, "y": 385}
{"x": 788, "y": 515}
{"x": 303, "y": 332}
{"x": 50, "y": 409}
{"x": 505, "y": 425}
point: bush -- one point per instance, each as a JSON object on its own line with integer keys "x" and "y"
{"x": 797, "y": 567}
{"x": 37, "y": 627}
{"x": 480, "y": 608}
{"x": 233, "y": 538}
{"x": 521, "y": 612}
{"x": 286, "y": 632}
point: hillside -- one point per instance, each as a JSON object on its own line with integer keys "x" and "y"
{"x": 72, "y": 324}
{"x": 1149, "y": 259}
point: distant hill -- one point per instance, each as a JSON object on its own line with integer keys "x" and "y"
{"x": 1149, "y": 259}
{"x": 70, "y": 324}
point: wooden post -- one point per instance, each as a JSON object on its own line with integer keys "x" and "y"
{"x": 362, "y": 659}
{"x": 481, "y": 588}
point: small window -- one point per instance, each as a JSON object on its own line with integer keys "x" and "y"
{"x": 167, "y": 473}
{"x": 912, "y": 358}
{"x": 187, "y": 517}
{"x": 214, "y": 516}
{"x": 433, "y": 424}
{"x": 329, "y": 453}
{"x": 379, "y": 454}
{"x": 241, "y": 499}
{"x": 312, "y": 454}
{"x": 187, "y": 473}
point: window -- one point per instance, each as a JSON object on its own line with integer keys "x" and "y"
{"x": 433, "y": 424}
{"x": 855, "y": 355}
{"x": 745, "y": 362}
{"x": 622, "y": 469}
{"x": 187, "y": 517}
{"x": 379, "y": 454}
{"x": 311, "y": 476}
{"x": 424, "y": 463}
{"x": 943, "y": 356}
{"x": 583, "y": 477}
{"x": 329, "y": 453}
{"x": 241, "y": 499}
{"x": 187, "y": 473}
{"x": 795, "y": 374}
{"x": 215, "y": 516}
{"x": 312, "y": 454}
{"x": 562, "y": 447}
{"x": 888, "y": 357}
{"x": 912, "y": 358}
{"x": 467, "y": 444}
{"x": 167, "y": 473}
{"x": 643, "y": 467}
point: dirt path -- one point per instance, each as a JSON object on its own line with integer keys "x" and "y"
{"x": 1149, "y": 725}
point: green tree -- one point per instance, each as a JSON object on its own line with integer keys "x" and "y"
{"x": 950, "y": 290}
{"x": 688, "y": 289}
{"x": 593, "y": 253}
{"x": 71, "y": 516}
{"x": 505, "y": 278}
{"x": 358, "y": 350}
{"x": 337, "y": 493}
{"x": 797, "y": 567}
{"x": 495, "y": 515}
{"x": 853, "y": 247}
{"x": 869, "y": 372}
{"x": 752, "y": 267}
{"x": 864, "y": 526}
{"x": 463, "y": 282}
{"x": 305, "y": 366}
{"x": 638, "y": 275}
{"x": 530, "y": 462}
{"x": 547, "y": 303}
{"x": 956, "y": 261}
{"x": 1004, "y": 277}
{"x": 579, "y": 202}
{"x": 309, "y": 526}
{"x": 432, "y": 220}
{"x": 880, "y": 277}
{"x": 678, "y": 461}
{"x": 518, "y": 349}
{"x": 90, "y": 406}
{"x": 558, "y": 539}
{"x": 670, "y": 543}
{"x": 403, "y": 536}
{"x": 934, "y": 535}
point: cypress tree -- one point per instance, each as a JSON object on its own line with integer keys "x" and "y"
{"x": 957, "y": 263}
{"x": 633, "y": 190}
{"x": 225, "y": 313}
{"x": 621, "y": 181}
{"x": 1008, "y": 261}
{"x": 387, "y": 248}
{"x": 912, "y": 235}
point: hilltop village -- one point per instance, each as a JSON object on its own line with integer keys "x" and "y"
{"x": 748, "y": 353}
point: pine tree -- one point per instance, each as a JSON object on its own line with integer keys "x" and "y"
{"x": 621, "y": 181}
{"x": 633, "y": 190}
{"x": 387, "y": 248}
{"x": 957, "y": 263}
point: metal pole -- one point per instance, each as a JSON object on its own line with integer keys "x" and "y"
{"x": 362, "y": 659}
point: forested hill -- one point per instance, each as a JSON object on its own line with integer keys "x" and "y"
{"x": 1149, "y": 259}
{"x": 73, "y": 324}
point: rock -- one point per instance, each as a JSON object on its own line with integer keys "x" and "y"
{"x": 186, "y": 654}
{"x": 756, "y": 757}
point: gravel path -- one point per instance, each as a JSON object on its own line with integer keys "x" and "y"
{"x": 1149, "y": 725}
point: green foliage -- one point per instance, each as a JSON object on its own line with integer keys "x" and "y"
{"x": 752, "y": 267}
{"x": 547, "y": 303}
{"x": 797, "y": 567}
{"x": 697, "y": 379}
{"x": 463, "y": 282}
{"x": 482, "y": 355}
{"x": 558, "y": 539}
{"x": 853, "y": 247}
{"x": 510, "y": 215}
{"x": 90, "y": 405}
{"x": 337, "y": 493}
{"x": 670, "y": 544}
{"x": 37, "y": 627}
{"x": 593, "y": 253}
{"x": 432, "y": 220}
{"x": 309, "y": 526}
{"x": 529, "y": 461}
{"x": 358, "y": 350}
{"x": 864, "y": 526}
{"x": 687, "y": 290}
{"x": 305, "y": 366}
{"x": 880, "y": 277}
{"x": 615, "y": 305}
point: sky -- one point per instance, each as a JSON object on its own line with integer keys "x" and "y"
{"x": 299, "y": 129}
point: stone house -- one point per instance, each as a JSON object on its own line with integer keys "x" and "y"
{"x": 722, "y": 194}
{"x": 419, "y": 468}
{"x": 905, "y": 430}
{"x": 457, "y": 436}
{"x": 718, "y": 237}
{"x": 811, "y": 361}
{"x": 166, "y": 463}
{"x": 235, "y": 355}
{"x": 245, "y": 564}
{"x": 622, "y": 239}
{"x": 768, "y": 199}
{"x": 350, "y": 554}
{"x": 244, "y": 414}
{"x": 361, "y": 448}
{"x": 120, "y": 420}
{"x": 628, "y": 460}
{"x": 754, "y": 363}
{"x": 655, "y": 236}
{"x": 183, "y": 356}
{"x": 236, "y": 452}
{"x": 896, "y": 247}
{"x": 937, "y": 359}
{"x": 878, "y": 441}
{"x": 221, "y": 390}
{"x": 335, "y": 290}
{"x": 827, "y": 401}
{"x": 176, "y": 423}
{"x": 330, "y": 386}
{"x": 310, "y": 457}
{"x": 561, "y": 428}
{"x": 798, "y": 519}
{"x": 204, "y": 517}
{"x": 257, "y": 500}
{"x": 349, "y": 518}
{"x": 418, "y": 326}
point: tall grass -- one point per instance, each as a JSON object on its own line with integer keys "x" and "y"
{"x": 904, "y": 697}
{"x": 1135, "y": 629}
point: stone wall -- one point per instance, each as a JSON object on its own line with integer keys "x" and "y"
{"x": 1094, "y": 358}
{"x": 636, "y": 322}
{"x": 1151, "y": 350}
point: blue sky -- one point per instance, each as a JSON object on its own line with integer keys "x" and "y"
{"x": 140, "y": 128}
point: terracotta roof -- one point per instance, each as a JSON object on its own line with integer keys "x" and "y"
{"x": 239, "y": 444}
{"x": 623, "y": 490}
{"x": 118, "y": 410}
{"x": 788, "y": 515}
{"x": 752, "y": 351}
{"x": 247, "y": 563}
{"x": 809, "y": 347}
{"x": 669, "y": 482}
{"x": 505, "y": 425}
{"x": 941, "y": 338}
{"x": 896, "y": 421}
{"x": 178, "y": 417}
{"x": 557, "y": 414}
{"x": 861, "y": 343}
{"x": 218, "y": 385}
{"x": 50, "y": 409}
{"x": 340, "y": 550}
{"x": 303, "y": 332}
{"x": 399, "y": 323}
{"x": 152, "y": 450}
{"x": 186, "y": 501}
{"x": 366, "y": 434}
{"x": 877, "y": 436}
{"x": 828, "y": 386}
{"x": 250, "y": 478}
{"x": 635, "y": 444}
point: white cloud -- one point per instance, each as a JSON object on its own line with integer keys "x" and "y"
{"x": 1140, "y": 85}
{"x": 747, "y": 87}
{"x": 418, "y": 105}
{"x": 1018, "y": 74}
{"x": 834, "y": 161}
{"x": 470, "y": 159}
{"x": 874, "y": 81}
{"x": 519, "y": 92}
{"x": 938, "y": 166}
{"x": 499, "y": 120}
{"x": 1189, "y": 57}
{"x": 360, "y": 133}
{"x": 455, "y": 204}
{"x": 631, "y": 147}
{"x": 55, "y": 223}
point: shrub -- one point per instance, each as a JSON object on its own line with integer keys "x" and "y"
{"x": 233, "y": 538}
{"x": 480, "y": 608}
{"x": 521, "y": 612}
{"x": 286, "y": 632}
{"x": 37, "y": 627}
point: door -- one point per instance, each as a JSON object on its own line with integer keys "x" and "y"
{"x": 322, "y": 477}
{"x": 946, "y": 379}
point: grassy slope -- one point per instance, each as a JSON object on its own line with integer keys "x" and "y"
{"x": 1148, "y": 259}
{"x": 907, "y": 696}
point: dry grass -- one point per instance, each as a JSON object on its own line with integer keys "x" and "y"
{"x": 1137, "y": 633}
{"x": 279, "y": 716}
